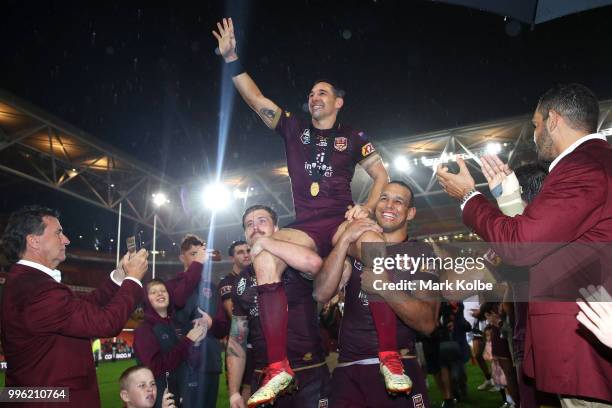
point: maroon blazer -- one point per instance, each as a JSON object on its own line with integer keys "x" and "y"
{"x": 573, "y": 210}
{"x": 47, "y": 331}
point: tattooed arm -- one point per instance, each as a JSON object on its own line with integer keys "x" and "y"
{"x": 265, "y": 108}
{"x": 236, "y": 353}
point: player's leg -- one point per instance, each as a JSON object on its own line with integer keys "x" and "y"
{"x": 272, "y": 304}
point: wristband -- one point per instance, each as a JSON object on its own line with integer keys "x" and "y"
{"x": 467, "y": 196}
{"x": 235, "y": 68}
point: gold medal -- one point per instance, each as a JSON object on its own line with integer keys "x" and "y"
{"x": 314, "y": 189}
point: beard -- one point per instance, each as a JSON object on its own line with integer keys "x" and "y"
{"x": 545, "y": 147}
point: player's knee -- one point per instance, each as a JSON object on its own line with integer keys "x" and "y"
{"x": 314, "y": 263}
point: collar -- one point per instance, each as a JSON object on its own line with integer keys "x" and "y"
{"x": 54, "y": 273}
{"x": 574, "y": 145}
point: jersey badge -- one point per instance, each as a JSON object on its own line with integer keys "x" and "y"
{"x": 340, "y": 143}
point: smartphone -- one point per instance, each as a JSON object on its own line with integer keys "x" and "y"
{"x": 134, "y": 243}
{"x": 453, "y": 167}
{"x": 131, "y": 244}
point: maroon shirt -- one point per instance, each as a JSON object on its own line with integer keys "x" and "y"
{"x": 348, "y": 148}
{"x": 304, "y": 346}
{"x": 358, "y": 339}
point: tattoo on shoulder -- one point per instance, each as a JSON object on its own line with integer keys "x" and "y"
{"x": 268, "y": 113}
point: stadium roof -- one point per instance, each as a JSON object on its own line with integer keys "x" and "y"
{"x": 39, "y": 147}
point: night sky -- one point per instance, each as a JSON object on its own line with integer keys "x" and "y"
{"x": 147, "y": 80}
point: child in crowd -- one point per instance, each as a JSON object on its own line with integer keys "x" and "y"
{"x": 138, "y": 389}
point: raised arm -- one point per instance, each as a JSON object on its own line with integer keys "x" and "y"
{"x": 185, "y": 283}
{"x": 267, "y": 110}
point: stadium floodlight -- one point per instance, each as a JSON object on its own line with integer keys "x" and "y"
{"x": 216, "y": 196}
{"x": 160, "y": 199}
{"x": 401, "y": 163}
{"x": 493, "y": 148}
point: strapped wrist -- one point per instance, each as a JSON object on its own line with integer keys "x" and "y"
{"x": 235, "y": 67}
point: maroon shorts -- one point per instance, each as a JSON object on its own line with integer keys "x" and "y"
{"x": 363, "y": 386}
{"x": 321, "y": 230}
{"x": 312, "y": 391}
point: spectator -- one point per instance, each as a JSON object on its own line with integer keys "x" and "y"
{"x": 43, "y": 321}
{"x": 138, "y": 389}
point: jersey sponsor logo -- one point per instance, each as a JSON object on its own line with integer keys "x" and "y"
{"x": 323, "y": 403}
{"x": 241, "y": 286}
{"x": 327, "y": 170}
{"x": 367, "y": 149}
{"x": 340, "y": 143}
{"x": 305, "y": 136}
{"x": 225, "y": 290}
{"x": 307, "y": 356}
{"x": 417, "y": 401}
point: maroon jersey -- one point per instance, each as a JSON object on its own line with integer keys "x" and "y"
{"x": 358, "y": 339}
{"x": 225, "y": 286}
{"x": 347, "y": 147}
{"x": 304, "y": 346}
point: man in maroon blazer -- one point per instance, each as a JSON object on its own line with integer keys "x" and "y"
{"x": 46, "y": 328}
{"x": 572, "y": 212}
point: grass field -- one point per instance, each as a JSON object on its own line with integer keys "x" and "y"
{"x": 108, "y": 373}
